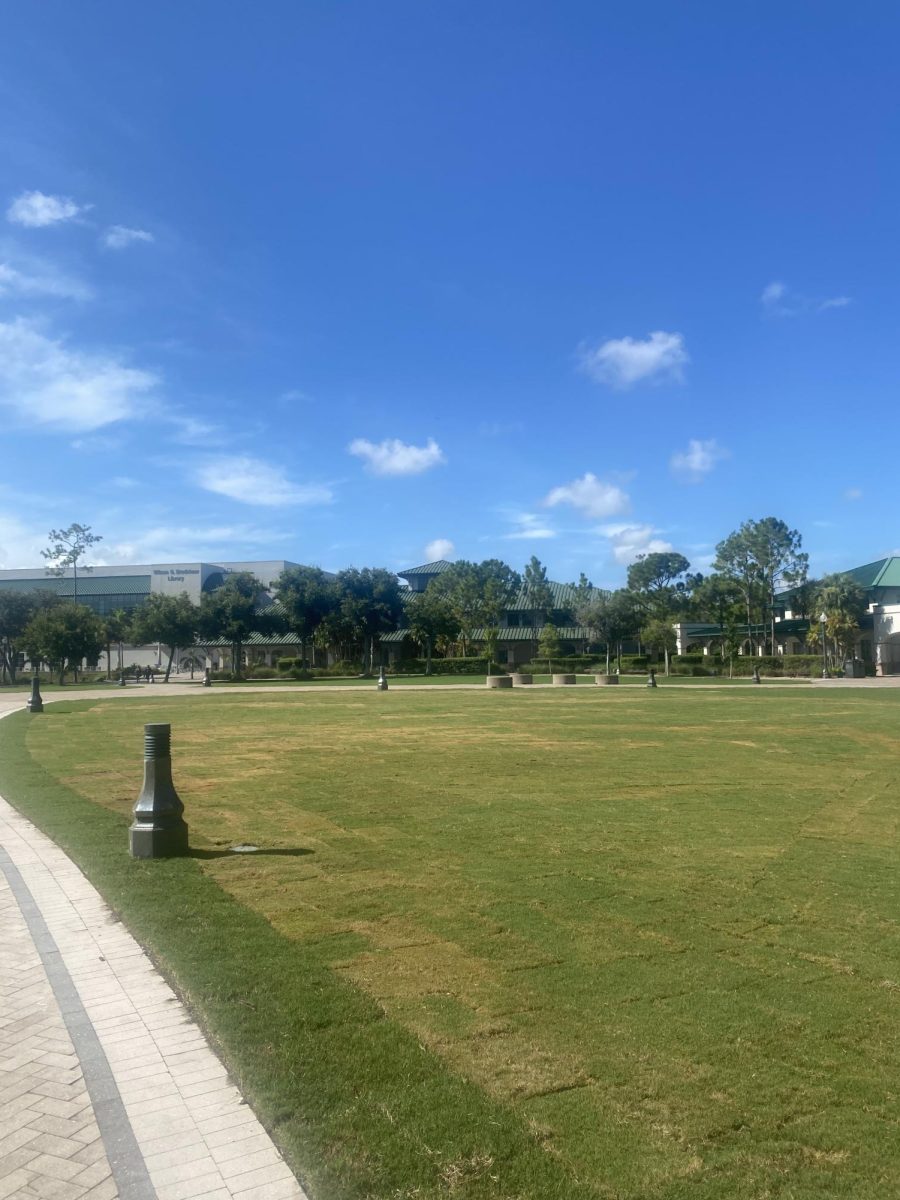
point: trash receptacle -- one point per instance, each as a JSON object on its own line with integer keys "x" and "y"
{"x": 854, "y": 668}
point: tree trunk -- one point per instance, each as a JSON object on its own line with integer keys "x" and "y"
{"x": 607, "y": 658}
{"x": 428, "y": 656}
{"x": 666, "y": 655}
{"x": 108, "y": 663}
{"x": 169, "y": 664}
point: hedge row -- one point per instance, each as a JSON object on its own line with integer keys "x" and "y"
{"x": 443, "y": 666}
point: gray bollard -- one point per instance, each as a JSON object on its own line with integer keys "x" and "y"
{"x": 158, "y": 829}
{"x": 382, "y": 681}
{"x": 756, "y": 678}
{"x": 35, "y": 702}
{"x": 651, "y": 679}
{"x": 207, "y": 679}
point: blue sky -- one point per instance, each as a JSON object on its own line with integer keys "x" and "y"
{"x": 370, "y": 284}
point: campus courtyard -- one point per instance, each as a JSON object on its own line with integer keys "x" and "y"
{"x": 581, "y": 942}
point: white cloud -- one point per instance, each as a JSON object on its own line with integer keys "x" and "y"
{"x": 38, "y": 279}
{"x": 835, "y": 302}
{"x": 590, "y": 496}
{"x": 192, "y": 431}
{"x": 168, "y": 543}
{"x": 438, "y": 549}
{"x": 622, "y": 362}
{"x": 35, "y": 209}
{"x": 117, "y": 237}
{"x": 393, "y": 457}
{"x": 47, "y": 384}
{"x": 773, "y": 292}
{"x": 779, "y": 300}
{"x": 698, "y": 460}
{"x": 529, "y": 528}
{"x": 253, "y": 481}
{"x": 628, "y": 541}
{"x": 19, "y": 545}
{"x": 853, "y": 493}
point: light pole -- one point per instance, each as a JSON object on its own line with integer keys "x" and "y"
{"x": 824, "y": 653}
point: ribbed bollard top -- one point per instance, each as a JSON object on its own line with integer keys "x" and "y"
{"x": 157, "y": 741}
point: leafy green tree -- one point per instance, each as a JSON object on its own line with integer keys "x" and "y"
{"x": 659, "y": 634}
{"x": 115, "y": 629}
{"x": 719, "y": 600}
{"x": 16, "y": 610}
{"x": 548, "y": 645}
{"x": 62, "y": 636}
{"x": 430, "y": 617}
{"x": 661, "y": 585}
{"x": 611, "y": 616}
{"x": 537, "y": 594}
{"x": 842, "y": 601}
{"x": 65, "y": 549}
{"x": 172, "y": 620}
{"x": 308, "y": 596}
{"x": 478, "y": 594}
{"x": 234, "y": 612}
{"x": 370, "y": 605}
{"x": 762, "y": 556}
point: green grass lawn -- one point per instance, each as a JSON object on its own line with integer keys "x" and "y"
{"x": 579, "y": 943}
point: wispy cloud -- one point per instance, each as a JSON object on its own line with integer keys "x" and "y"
{"x": 623, "y": 362}
{"x": 779, "y": 300}
{"x": 393, "y": 457}
{"x": 46, "y": 383}
{"x": 20, "y": 545}
{"x": 590, "y": 496}
{"x": 853, "y": 493}
{"x": 162, "y": 543}
{"x": 192, "y": 431}
{"x": 252, "y": 481}
{"x": 529, "y": 528}
{"x": 117, "y": 237}
{"x": 695, "y": 463}
{"x": 36, "y": 209}
{"x": 629, "y": 541}
{"x": 439, "y": 548}
{"x": 35, "y": 279}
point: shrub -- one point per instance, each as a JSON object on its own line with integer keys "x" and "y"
{"x": 261, "y": 672}
{"x": 287, "y": 664}
{"x": 802, "y": 664}
{"x": 442, "y": 666}
{"x": 634, "y": 664}
{"x": 585, "y": 663}
{"x": 301, "y": 673}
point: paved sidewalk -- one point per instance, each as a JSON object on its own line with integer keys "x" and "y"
{"x": 107, "y": 1088}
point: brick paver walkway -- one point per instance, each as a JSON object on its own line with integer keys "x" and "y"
{"x": 107, "y": 1088}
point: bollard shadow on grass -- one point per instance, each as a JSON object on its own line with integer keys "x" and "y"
{"x": 195, "y": 852}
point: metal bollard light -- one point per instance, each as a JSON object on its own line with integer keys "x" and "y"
{"x": 158, "y": 829}
{"x": 35, "y": 702}
{"x": 756, "y": 678}
{"x": 207, "y": 680}
{"x": 651, "y": 679}
{"x": 382, "y": 681}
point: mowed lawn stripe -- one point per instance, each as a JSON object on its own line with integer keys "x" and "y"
{"x": 656, "y": 930}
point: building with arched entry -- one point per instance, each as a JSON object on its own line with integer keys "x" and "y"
{"x": 878, "y": 642}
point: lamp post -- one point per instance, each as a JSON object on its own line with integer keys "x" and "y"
{"x": 824, "y": 649}
{"x": 121, "y": 665}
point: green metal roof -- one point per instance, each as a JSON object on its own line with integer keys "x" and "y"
{"x": 883, "y": 573}
{"x": 506, "y": 633}
{"x": 107, "y": 585}
{"x": 433, "y": 568}
{"x": 88, "y": 585}
{"x": 564, "y": 596}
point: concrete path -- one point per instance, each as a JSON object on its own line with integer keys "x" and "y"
{"x": 107, "y": 1088}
